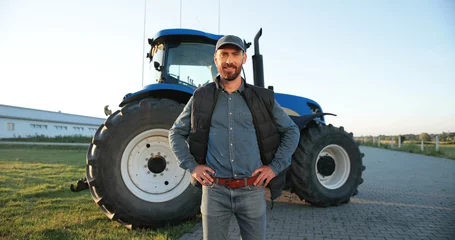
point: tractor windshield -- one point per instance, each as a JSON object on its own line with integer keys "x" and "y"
{"x": 190, "y": 64}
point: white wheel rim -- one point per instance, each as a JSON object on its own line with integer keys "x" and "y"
{"x": 342, "y": 167}
{"x": 140, "y": 180}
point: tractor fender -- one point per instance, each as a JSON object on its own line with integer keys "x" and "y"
{"x": 302, "y": 121}
{"x": 178, "y": 93}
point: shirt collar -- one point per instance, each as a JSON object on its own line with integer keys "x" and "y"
{"x": 218, "y": 85}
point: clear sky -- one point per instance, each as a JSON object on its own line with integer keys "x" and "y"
{"x": 384, "y": 67}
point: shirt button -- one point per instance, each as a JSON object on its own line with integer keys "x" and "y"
{"x": 231, "y": 144}
{"x": 232, "y": 160}
{"x": 230, "y": 98}
{"x": 230, "y": 113}
{"x": 235, "y": 175}
{"x": 230, "y": 129}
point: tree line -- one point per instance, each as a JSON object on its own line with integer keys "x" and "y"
{"x": 426, "y": 137}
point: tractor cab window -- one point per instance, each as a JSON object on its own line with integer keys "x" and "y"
{"x": 190, "y": 64}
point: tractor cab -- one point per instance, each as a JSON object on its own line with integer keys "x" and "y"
{"x": 183, "y": 57}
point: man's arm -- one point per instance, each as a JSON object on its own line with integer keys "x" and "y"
{"x": 290, "y": 137}
{"x": 177, "y": 138}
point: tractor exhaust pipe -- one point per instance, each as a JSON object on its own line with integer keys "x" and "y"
{"x": 258, "y": 63}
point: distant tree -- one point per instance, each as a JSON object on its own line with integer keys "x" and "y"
{"x": 451, "y": 136}
{"x": 396, "y": 139}
{"x": 443, "y": 137}
{"x": 447, "y": 136}
{"x": 411, "y": 137}
{"x": 425, "y": 137}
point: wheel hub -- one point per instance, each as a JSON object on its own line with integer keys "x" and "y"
{"x": 150, "y": 170}
{"x": 326, "y": 165}
{"x": 333, "y": 166}
{"x": 156, "y": 164}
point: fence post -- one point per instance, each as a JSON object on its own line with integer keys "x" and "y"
{"x": 391, "y": 142}
{"x": 399, "y": 141}
{"x": 373, "y": 141}
{"x": 437, "y": 143}
{"x": 379, "y": 141}
{"x": 421, "y": 145}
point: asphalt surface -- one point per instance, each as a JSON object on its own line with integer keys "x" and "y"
{"x": 404, "y": 196}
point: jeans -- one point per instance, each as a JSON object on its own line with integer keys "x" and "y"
{"x": 247, "y": 204}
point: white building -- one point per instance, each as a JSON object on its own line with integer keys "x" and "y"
{"x": 26, "y": 122}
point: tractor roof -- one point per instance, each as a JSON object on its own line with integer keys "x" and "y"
{"x": 186, "y": 32}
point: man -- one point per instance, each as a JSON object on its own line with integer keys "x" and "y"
{"x": 239, "y": 140}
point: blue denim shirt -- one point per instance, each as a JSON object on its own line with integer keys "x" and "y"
{"x": 233, "y": 150}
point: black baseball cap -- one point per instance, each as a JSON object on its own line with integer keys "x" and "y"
{"x": 231, "y": 40}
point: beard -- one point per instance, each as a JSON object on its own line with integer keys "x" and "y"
{"x": 229, "y": 75}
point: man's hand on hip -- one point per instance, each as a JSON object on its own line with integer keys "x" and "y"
{"x": 201, "y": 174}
{"x": 265, "y": 174}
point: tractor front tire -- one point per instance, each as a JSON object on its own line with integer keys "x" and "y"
{"x": 132, "y": 173}
{"x": 327, "y": 166}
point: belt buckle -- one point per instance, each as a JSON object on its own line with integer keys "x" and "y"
{"x": 235, "y": 183}
{"x": 228, "y": 182}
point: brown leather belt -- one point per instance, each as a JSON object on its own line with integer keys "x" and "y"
{"x": 235, "y": 183}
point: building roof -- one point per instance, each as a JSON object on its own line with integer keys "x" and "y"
{"x": 13, "y": 112}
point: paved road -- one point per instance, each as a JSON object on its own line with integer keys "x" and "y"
{"x": 404, "y": 196}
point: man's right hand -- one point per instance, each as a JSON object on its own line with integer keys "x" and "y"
{"x": 201, "y": 174}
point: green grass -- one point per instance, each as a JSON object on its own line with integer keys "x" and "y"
{"x": 445, "y": 151}
{"x": 59, "y": 139}
{"x": 449, "y": 150}
{"x": 36, "y": 202}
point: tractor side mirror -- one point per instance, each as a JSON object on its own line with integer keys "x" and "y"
{"x": 157, "y": 66}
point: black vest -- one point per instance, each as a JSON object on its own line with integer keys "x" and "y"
{"x": 260, "y": 102}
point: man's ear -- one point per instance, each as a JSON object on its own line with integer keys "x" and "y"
{"x": 244, "y": 58}
{"x": 214, "y": 59}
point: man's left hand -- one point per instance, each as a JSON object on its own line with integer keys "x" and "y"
{"x": 265, "y": 174}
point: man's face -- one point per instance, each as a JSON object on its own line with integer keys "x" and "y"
{"x": 229, "y": 61}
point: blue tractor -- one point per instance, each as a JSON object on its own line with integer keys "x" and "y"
{"x": 134, "y": 177}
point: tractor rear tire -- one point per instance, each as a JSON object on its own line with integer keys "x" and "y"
{"x": 327, "y": 166}
{"x": 132, "y": 173}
